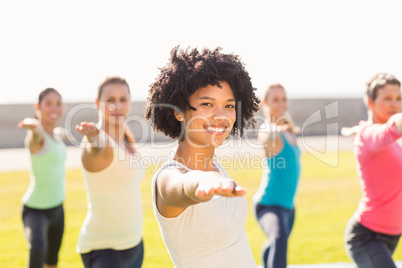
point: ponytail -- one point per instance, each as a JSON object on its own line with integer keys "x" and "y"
{"x": 129, "y": 140}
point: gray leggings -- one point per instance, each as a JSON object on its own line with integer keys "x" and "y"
{"x": 369, "y": 249}
{"x": 43, "y": 230}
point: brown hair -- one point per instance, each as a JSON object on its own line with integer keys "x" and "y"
{"x": 128, "y": 136}
{"x": 379, "y": 81}
{"x": 112, "y": 80}
{"x": 43, "y": 93}
{"x": 46, "y": 91}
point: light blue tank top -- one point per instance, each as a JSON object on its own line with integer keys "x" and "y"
{"x": 280, "y": 177}
{"x": 47, "y": 181}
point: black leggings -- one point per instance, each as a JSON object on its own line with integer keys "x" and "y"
{"x": 106, "y": 258}
{"x": 43, "y": 230}
{"x": 369, "y": 249}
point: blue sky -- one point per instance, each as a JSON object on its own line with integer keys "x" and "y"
{"x": 314, "y": 48}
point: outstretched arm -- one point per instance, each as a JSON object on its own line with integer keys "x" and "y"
{"x": 97, "y": 153}
{"x": 398, "y": 121}
{"x": 95, "y": 143}
{"x": 270, "y": 138}
{"x": 349, "y": 131}
{"x": 35, "y": 134}
{"x": 378, "y": 136}
{"x": 176, "y": 190}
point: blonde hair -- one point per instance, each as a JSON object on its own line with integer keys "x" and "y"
{"x": 266, "y": 111}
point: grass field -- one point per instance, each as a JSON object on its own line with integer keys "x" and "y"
{"x": 326, "y": 199}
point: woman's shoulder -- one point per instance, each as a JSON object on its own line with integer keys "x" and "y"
{"x": 218, "y": 166}
{"x": 170, "y": 166}
{"x": 289, "y": 138}
{"x": 61, "y": 133}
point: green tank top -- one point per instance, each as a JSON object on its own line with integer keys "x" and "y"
{"x": 47, "y": 179}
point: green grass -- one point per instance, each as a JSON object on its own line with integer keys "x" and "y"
{"x": 326, "y": 199}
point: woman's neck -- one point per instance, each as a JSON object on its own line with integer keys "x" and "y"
{"x": 48, "y": 128}
{"x": 195, "y": 158}
{"x": 115, "y": 132}
{"x": 374, "y": 119}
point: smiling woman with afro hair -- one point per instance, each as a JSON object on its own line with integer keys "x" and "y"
{"x": 189, "y": 70}
{"x": 200, "y": 99}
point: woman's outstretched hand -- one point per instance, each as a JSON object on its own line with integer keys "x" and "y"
{"x": 88, "y": 129}
{"x": 29, "y": 123}
{"x": 216, "y": 184}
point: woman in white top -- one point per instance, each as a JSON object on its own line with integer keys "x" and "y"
{"x": 111, "y": 235}
{"x": 200, "y": 98}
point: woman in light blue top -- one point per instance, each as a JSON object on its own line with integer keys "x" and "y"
{"x": 274, "y": 200}
{"x": 43, "y": 214}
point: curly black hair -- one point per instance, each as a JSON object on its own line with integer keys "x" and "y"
{"x": 189, "y": 70}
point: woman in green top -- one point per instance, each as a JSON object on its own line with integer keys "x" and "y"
{"x": 42, "y": 213}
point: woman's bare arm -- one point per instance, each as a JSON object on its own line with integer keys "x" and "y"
{"x": 176, "y": 190}
{"x": 35, "y": 134}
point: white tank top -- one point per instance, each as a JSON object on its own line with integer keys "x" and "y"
{"x": 114, "y": 219}
{"x": 210, "y": 234}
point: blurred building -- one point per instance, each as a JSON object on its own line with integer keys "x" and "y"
{"x": 316, "y": 117}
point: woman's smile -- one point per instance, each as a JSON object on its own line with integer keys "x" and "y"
{"x": 215, "y": 130}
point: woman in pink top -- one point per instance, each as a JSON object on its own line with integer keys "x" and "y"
{"x": 373, "y": 232}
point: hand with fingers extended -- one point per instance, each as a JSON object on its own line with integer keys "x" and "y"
{"x": 29, "y": 123}
{"x": 282, "y": 128}
{"x": 215, "y": 184}
{"x": 88, "y": 129}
